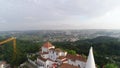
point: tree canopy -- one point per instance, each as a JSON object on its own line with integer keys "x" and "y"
{"x": 105, "y": 49}
{"x": 110, "y": 65}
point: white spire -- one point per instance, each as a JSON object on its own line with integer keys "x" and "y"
{"x": 90, "y": 61}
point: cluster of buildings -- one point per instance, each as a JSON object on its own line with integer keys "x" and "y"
{"x": 61, "y": 39}
{"x": 51, "y": 57}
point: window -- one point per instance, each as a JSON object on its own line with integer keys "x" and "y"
{"x": 78, "y": 65}
{"x": 51, "y": 56}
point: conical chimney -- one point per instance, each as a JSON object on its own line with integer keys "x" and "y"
{"x": 90, "y": 61}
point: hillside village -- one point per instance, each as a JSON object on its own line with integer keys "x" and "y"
{"x": 51, "y": 57}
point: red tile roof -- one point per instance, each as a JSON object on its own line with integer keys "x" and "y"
{"x": 65, "y": 65}
{"x": 47, "y": 45}
{"x": 58, "y": 50}
{"x": 76, "y": 57}
{"x": 61, "y": 57}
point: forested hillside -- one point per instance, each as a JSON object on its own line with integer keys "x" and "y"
{"x": 106, "y": 49}
{"x": 23, "y": 48}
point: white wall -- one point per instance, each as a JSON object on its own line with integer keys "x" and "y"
{"x": 52, "y": 55}
{"x": 49, "y": 63}
{"x": 52, "y": 47}
{"x": 45, "y": 49}
{"x": 63, "y": 53}
{"x": 71, "y": 62}
{"x": 77, "y": 63}
{"x": 81, "y": 63}
{"x": 40, "y": 62}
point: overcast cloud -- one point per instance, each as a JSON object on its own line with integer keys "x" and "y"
{"x": 59, "y": 14}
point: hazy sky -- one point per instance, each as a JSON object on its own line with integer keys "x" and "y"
{"x": 59, "y": 14}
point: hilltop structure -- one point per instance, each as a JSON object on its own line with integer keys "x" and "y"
{"x": 51, "y": 57}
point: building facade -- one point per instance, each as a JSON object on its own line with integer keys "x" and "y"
{"x": 51, "y": 57}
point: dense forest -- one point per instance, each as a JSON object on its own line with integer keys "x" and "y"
{"x": 106, "y": 49}
{"x": 23, "y": 48}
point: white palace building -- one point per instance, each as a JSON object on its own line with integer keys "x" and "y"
{"x": 51, "y": 57}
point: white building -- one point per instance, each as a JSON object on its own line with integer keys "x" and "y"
{"x": 51, "y": 57}
{"x": 76, "y": 60}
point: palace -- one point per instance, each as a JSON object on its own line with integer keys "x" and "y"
{"x": 51, "y": 57}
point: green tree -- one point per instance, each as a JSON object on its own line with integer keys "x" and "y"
{"x": 71, "y": 52}
{"x": 111, "y": 65}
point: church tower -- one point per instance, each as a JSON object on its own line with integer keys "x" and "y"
{"x": 90, "y": 61}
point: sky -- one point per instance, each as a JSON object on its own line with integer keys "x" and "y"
{"x": 59, "y": 14}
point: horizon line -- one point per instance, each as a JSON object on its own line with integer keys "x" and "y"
{"x": 53, "y": 30}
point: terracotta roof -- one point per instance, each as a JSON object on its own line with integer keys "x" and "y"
{"x": 61, "y": 57}
{"x": 59, "y": 50}
{"x": 65, "y": 65}
{"x": 47, "y": 45}
{"x": 41, "y": 58}
{"x": 76, "y": 57}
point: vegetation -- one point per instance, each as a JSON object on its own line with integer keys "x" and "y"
{"x": 71, "y": 52}
{"x": 106, "y": 49}
{"x": 110, "y": 65}
{"x": 23, "y": 48}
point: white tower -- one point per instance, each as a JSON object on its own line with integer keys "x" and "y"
{"x": 90, "y": 61}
